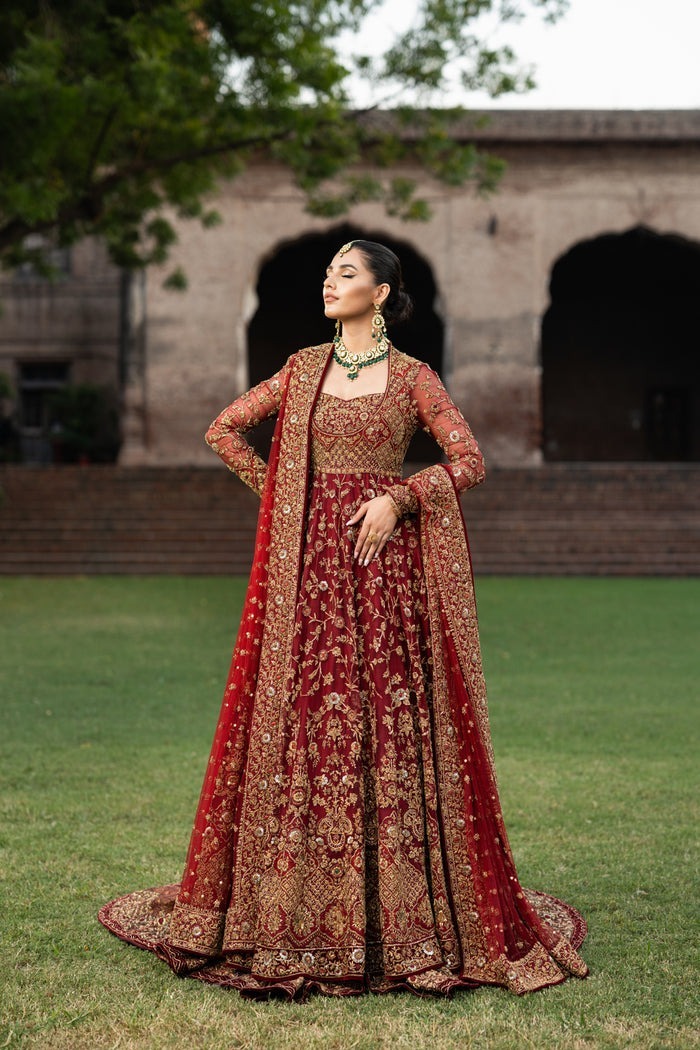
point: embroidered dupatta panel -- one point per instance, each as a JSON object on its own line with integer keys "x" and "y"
{"x": 251, "y": 912}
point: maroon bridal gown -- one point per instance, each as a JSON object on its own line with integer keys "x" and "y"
{"x": 349, "y": 835}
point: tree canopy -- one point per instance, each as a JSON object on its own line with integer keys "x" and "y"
{"x": 115, "y": 113}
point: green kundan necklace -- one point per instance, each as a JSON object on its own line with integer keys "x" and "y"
{"x": 352, "y": 363}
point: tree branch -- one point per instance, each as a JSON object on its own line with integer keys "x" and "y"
{"x": 88, "y": 204}
{"x": 99, "y": 142}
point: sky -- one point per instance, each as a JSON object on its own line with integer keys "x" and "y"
{"x": 603, "y": 54}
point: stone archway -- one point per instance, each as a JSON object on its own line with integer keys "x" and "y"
{"x": 290, "y": 311}
{"x": 620, "y": 361}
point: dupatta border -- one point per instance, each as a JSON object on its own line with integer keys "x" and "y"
{"x": 288, "y": 487}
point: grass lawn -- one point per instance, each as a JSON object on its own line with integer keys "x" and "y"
{"x": 110, "y": 690}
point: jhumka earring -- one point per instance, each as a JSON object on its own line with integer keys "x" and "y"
{"x": 338, "y": 331}
{"x": 378, "y": 324}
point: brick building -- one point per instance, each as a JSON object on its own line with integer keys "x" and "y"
{"x": 562, "y": 312}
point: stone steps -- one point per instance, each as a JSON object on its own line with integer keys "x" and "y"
{"x": 559, "y": 519}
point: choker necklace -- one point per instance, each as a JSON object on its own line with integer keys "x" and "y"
{"x": 354, "y": 362}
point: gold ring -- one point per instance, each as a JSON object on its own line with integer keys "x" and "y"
{"x": 372, "y": 537}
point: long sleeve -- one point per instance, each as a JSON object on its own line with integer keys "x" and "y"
{"x": 440, "y": 417}
{"x": 225, "y": 435}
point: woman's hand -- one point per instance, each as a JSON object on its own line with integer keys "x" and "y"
{"x": 379, "y": 520}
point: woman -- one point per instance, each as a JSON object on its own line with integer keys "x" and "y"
{"x": 349, "y": 834}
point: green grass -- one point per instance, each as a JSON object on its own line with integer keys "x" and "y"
{"x": 110, "y": 689}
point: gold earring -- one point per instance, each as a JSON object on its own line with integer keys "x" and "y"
{"x": 378, "y": 324}
{"x": 338, "y": 331}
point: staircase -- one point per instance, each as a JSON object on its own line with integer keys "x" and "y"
{"x": 559, "y": 519}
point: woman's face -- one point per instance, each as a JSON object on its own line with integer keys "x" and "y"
{"x": 350, "y": 289}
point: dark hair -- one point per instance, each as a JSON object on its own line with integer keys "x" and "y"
{"x": 386, "y": 269}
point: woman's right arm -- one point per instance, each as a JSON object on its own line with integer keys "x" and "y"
{"x": 225, "y": 435}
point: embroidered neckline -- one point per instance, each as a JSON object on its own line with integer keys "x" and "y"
{"x": 375, "y": 403}
{"x": 378, "y": 393}
{"x": 349, "y": 400}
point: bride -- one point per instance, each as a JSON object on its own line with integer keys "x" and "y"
{"x": 349, "y": 834}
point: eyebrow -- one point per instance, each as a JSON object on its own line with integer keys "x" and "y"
{"x": 343, "y": 266}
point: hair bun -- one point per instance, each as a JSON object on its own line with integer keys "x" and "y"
{"x": 399, "y": 307}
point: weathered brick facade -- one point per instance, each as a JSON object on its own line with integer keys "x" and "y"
{"x": 571, "y": 176}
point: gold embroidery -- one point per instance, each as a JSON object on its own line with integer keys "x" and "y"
{"x": 349, "y": 828}
{"x": 225, "y": 435}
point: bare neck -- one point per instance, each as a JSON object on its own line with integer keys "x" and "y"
{"x": 357, "y": 335}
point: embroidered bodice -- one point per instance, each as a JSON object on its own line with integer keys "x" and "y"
{"x": 370, "y": 433}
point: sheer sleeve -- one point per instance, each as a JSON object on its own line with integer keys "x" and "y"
{"x": 225, "y": 435}
{"x": 441, "y": 418}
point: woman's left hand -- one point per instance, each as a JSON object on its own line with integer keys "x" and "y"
{"x": 379, "y": 520}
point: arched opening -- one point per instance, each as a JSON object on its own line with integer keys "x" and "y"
{"x": 620, "y": 362}
{"x": 290, "y": 311}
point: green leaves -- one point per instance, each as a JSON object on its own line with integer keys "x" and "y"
{"x": 115, "y": 113}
